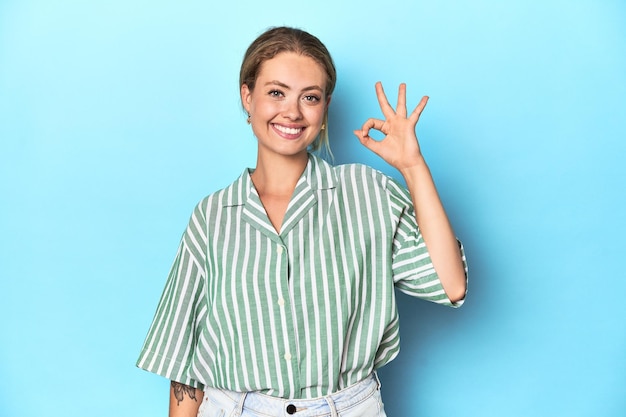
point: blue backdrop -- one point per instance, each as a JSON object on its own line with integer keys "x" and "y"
{"x": 116, "y": 117}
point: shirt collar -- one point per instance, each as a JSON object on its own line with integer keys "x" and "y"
{"x": 319, "y": 174}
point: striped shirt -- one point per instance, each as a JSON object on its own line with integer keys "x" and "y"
{"x": 297, "y": 314}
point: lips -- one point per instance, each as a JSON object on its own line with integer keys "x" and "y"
{"x": 289, "y": 132}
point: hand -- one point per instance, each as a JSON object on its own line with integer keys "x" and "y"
{"x": 399, "y": 147}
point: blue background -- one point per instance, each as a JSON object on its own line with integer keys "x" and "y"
{"x": 116, "y": 117}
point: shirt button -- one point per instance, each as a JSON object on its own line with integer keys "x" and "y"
{"x": 279, "y": 250}
{"x": 287, "y": 356}
{"x": 281, "y": 301}
{"x": 291, "y": 409}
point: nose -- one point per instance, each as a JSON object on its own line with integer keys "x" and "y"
{"x": 292, "y": 109}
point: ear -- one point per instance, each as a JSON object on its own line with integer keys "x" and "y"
{"x": 246, "y": 96}
{"x": 328, "y": 101}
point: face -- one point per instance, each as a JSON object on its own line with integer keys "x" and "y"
{"x": 288, "y": 104}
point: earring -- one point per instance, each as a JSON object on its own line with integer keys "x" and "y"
{"x": 248, "y": 119}
{"x": 323, "y": 126}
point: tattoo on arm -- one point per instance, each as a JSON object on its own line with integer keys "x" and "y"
{"x": 181, "y": 389}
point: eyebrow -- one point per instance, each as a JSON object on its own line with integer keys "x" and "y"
{"x": 283, "y": 85}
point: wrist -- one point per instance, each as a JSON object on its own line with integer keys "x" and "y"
{"x": 414, "y": 169}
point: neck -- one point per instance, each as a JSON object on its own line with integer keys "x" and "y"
{"x": 278, "y": 175}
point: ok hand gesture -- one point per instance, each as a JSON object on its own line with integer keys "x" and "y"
{"x": 399, "y": 147}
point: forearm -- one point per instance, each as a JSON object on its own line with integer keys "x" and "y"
{"x": 436, "y": 229}
{"x": 184, "y": 400}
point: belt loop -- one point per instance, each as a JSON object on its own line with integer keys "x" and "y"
{"x": 331, "y": 404}
{"x": 239, "y": 408}
{"x": 376, "y": 378}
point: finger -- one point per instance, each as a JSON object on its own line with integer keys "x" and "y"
{"x": 376, "y": 124}
{"x": 371, "y": 144}
{"x": 364, "y": 137}
{"x": 383, "y": 102}
{"x": 415, "y": 115}
{"x": 401, "y": 107}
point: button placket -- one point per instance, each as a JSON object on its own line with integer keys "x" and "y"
{"x": 283, "y": 302}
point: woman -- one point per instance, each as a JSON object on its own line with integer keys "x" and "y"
{"x": 281, "y": 298}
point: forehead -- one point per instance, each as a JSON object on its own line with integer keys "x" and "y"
{"x": 292, "y": 69}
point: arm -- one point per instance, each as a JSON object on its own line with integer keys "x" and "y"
{"x": 400, "y": 149}
{"x": 184, "y": 400}
{"x": 436, "y": 230}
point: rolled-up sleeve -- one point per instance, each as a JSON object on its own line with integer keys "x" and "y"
{"x": 413, "y": 270}
{"x": 169, "y": 346}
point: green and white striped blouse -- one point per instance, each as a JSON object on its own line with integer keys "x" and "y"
{"x": 299, "y": 314}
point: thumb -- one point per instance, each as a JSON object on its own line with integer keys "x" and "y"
{"x": 367, "y": 141}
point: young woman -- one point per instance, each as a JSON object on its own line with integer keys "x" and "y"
{"x": 281, "y": 297}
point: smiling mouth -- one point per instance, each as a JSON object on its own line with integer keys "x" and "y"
{"x": 289, "y": 130}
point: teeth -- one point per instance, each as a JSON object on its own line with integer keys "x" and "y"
{"x": 289, "y": 130}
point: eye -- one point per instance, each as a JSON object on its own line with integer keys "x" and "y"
{"x": 312, "y": 98}
{"x": 275, "y": 93}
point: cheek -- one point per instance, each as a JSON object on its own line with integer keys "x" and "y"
{"x": 316, "y": 115}
{"x": 264, "y": 108}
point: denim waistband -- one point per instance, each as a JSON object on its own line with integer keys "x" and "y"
{"x": 266, "y": 405}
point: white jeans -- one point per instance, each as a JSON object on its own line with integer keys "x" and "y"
{"x": 359, "y": 400}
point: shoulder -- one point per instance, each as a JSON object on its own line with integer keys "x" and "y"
{"x": 357, "y": 172}
{"x": 362, "y": 180}
{"x": 363, "y": 175}
{"x": 231, "y": 195}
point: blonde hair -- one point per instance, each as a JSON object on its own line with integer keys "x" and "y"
{"x": 286, "y": 39}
